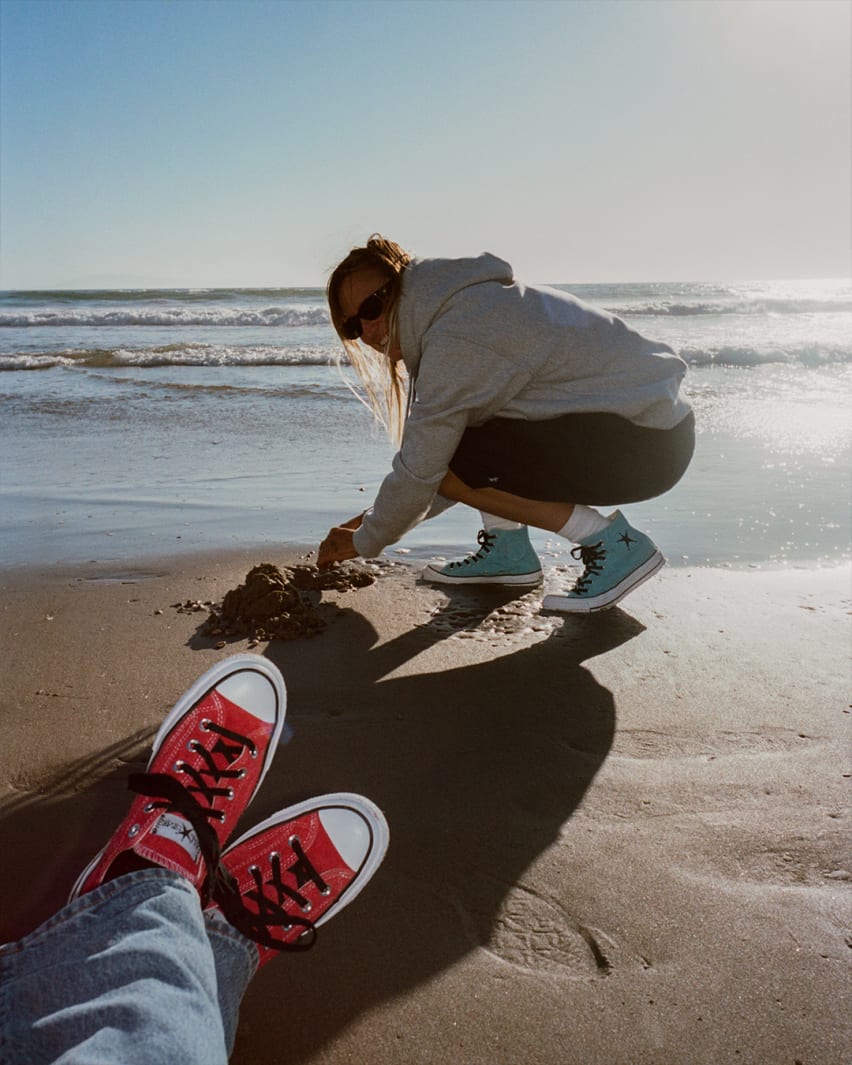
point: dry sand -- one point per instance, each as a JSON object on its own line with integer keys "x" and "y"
{"x": 614, "y": 839}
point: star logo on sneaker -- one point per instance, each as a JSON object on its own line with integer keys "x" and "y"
{"x": 626, "y": 539}
{"x": 180, "y": 832}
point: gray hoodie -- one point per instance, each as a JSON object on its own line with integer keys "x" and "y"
{"x": 478, "y": 345}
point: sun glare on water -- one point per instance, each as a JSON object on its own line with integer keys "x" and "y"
{"x": 810, "y": 421}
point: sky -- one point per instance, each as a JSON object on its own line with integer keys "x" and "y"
{"x": 175, "y": 143}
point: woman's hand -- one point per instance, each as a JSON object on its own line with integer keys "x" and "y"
{"x": 338, "y": 546}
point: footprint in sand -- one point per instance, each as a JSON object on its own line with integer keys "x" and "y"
{"x": 537, "y": 935}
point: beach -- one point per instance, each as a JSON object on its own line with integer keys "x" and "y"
{"x": 620, "y": 838}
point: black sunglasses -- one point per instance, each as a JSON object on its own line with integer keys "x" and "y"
{"x": 370, "y": 309}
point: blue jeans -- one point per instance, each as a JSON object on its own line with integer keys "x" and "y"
{"x": 132, "y": 972}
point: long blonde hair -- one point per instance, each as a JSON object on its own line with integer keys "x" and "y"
{"x": 385, "y": 382}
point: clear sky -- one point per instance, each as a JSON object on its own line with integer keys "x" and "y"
{"x": 246, "y": 142}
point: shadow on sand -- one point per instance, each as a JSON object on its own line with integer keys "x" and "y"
{"x": 477, "y": 769}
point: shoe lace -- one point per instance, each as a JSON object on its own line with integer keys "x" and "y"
{"x": 270, "y": 906}
{"x": 486, "y": 541}
{"x": 592, "y": 556}
{"x": 171, "y": 795}
{"x": 228, "y": 747}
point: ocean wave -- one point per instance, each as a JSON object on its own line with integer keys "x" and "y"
{"x": 32, "y": 362}
{"x": 173, "y": 295}
{"x": 208, "y": 317}
{"x": 171, "y": 355}
{"x": 757, "y": 307}
{"x": 276, "y": 316}
{"x": 807, "y": 355}
{"x": 201, "y": 355}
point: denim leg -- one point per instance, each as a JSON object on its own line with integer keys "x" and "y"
{"x": 236, "y": 960}
{"x": 126, "y": 973}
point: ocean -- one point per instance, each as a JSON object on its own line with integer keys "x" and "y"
{"x": 144, "y": 423}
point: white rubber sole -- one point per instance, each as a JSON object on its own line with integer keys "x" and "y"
{"x": 434, "y": 576}
{"x": 566, "y": 604}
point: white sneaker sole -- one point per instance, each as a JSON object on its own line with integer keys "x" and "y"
{"x": 435, "y": 576}
{"x": 566, "y": 604}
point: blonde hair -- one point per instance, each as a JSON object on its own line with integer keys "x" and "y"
{"x": 385, "y": 382}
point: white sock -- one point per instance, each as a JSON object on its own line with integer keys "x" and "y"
{"x": 584, "y": 522}
{"x": 491, "y": 522}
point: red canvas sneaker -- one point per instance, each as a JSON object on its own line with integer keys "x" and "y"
{"x": 209, "y": 758}
{"x": 297, "y": 869}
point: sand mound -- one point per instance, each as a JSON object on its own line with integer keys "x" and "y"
{"x": 269, "y": 605}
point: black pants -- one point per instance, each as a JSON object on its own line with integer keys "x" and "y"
{"x": 597, "y": 459}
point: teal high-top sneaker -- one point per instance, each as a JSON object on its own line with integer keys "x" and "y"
{"x": 505, "y": 556}
{"x": 616, "y": 560}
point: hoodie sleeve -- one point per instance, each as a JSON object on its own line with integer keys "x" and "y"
{"x": 459, "y": 384}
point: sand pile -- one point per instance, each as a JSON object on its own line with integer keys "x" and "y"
{"x": 269, "y": 605}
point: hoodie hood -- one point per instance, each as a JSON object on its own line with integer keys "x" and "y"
{"x": 429, "y": 284}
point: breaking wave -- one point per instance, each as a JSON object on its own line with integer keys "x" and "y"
{"x": 270, "y": 355}
{"x": 207, "y": 317}
{"x": 171, "y": 355}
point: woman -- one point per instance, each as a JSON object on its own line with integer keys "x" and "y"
{"x": 522, "y": 402}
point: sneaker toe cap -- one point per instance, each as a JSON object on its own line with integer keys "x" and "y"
{"x": 350, "y": 833}
{"x": 254, "y": 692}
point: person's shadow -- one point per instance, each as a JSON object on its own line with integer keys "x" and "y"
{"x": 476, "y": 768}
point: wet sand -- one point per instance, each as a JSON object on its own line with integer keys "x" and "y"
{"x": 620, "y": 839}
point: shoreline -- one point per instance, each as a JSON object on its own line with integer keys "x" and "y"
{"x": 174, "y": 460}
{"x": 619, "y": 838}
{"x": 162, "y": 562}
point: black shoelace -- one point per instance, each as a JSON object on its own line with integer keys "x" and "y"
{"x": 170, "y": 795}
{"x": 486, "y": 540}
{"x": 228, "y": 747}
{"x": 220, "y": 886}
{"x": 270, "y": 912}
{"x": 592, "y": 556}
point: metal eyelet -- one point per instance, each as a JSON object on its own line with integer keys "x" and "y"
{"x": 326, "y": 891}
{"x": 307, "y": 907}
{"x": 133, "y": 831}
{"x": 148, "y": 808}
{"x": 294, "y": 839}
